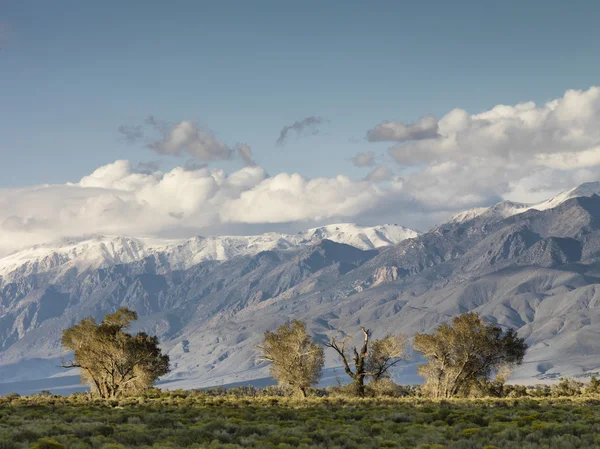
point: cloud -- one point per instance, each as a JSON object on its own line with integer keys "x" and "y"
{"x": 245, "y": 152}
{"x": 120, "y": 199}
{"x": 379, "y": 174}
{"x": 187, "y": 137}
{"x": 523, "y": 152}
{"x": 193, "y": 165}
{"x": 184, "y": 137}
{"x": 364, "y": 159}
{"x": 306, "y": 126}
{"x": 148, "y": 167}
{"x": 424, "y": 128}
{"x": 131, "y": 134}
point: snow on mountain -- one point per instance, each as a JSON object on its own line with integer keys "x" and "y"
{"x": 100, "y": 251}
{"x": 358, "y": 236}
{"x": 584, "y": 190}
{"x": 536, "y": 272}
{"x": 496, "y": 212}
{"x": 507, "y": 209}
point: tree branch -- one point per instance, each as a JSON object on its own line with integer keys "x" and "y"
{"x": 333, "y": 344}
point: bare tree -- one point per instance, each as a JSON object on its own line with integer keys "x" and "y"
{"x": 375, "y": 363}
{"x": 296, "y": 361}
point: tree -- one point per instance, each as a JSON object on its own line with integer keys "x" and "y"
{"x": 466, "y": 352}
{"x": 113, "y": 362}
{"x": 296, "y": 361}
{"x": 376, "y": 363}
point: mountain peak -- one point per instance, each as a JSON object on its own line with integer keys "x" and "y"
{"x": 98, "y": 251}
{"x": 507, "y": 208}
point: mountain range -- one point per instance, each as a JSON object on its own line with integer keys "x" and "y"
{"x": 209, "y": 300}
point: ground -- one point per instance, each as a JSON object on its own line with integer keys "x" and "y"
{"x": 205, "y": 420}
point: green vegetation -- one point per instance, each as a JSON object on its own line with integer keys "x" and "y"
{"x": 467, "y": 358}
{"x": 249, "y": 418}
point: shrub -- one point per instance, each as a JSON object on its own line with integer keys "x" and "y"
{"x": 385, "y": 388}
{"x": 593, "y": 387}
{"x": 47, "y": 443}
{"x": 567, "y": 388}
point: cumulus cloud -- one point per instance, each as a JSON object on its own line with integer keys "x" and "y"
{"x": 424, "y": 128}
{"x": 306, "y": 126}
{"x": 523, "y": 152}
{"x": 364, "y": 159}
{"x": 119, "y": 199}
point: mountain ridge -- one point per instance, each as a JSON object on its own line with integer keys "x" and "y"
{"x": 99, "y": 251}
{"x": 537, "y": 271}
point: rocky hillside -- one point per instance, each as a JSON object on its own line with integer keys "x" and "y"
{"x": 537, "y": 270}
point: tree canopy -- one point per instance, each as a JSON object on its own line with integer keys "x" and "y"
{"x": 113, "y": 362}
{"x": 296, "y": 361}
{"x": 464, "y": 352}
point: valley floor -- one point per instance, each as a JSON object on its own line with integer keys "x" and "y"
{"x": 204, "y": 420}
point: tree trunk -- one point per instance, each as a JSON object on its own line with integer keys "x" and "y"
{"x": 359, "y": 386}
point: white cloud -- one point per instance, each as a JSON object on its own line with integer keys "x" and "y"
{"x": 524, "y": 153}
{"x": 572, "y": 159}
{"x": 117, "y": 199}
{"x": 477, "y": 159}
{"x": 291, "y": 197}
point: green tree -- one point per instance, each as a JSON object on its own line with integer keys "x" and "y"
{"x": 464, "y": 353}
{"x": 375, "y": 362}
{"x": 296, "y": 361}
{"x": 113, "y": 362}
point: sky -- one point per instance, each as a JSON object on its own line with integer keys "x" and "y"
{"x": 186, "y": 117}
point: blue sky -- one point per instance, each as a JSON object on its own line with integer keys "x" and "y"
{"x": 72, "y": 72}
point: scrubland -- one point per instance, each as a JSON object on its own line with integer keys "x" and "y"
{"x": 250, "y": 418}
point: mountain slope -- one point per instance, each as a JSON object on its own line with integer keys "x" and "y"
{"x": 538, "y": 271}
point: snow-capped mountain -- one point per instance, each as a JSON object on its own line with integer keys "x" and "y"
{"x": 507, "y": 209}
{"x": 101, "y": 251}
{"x": 209, "y": 300}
